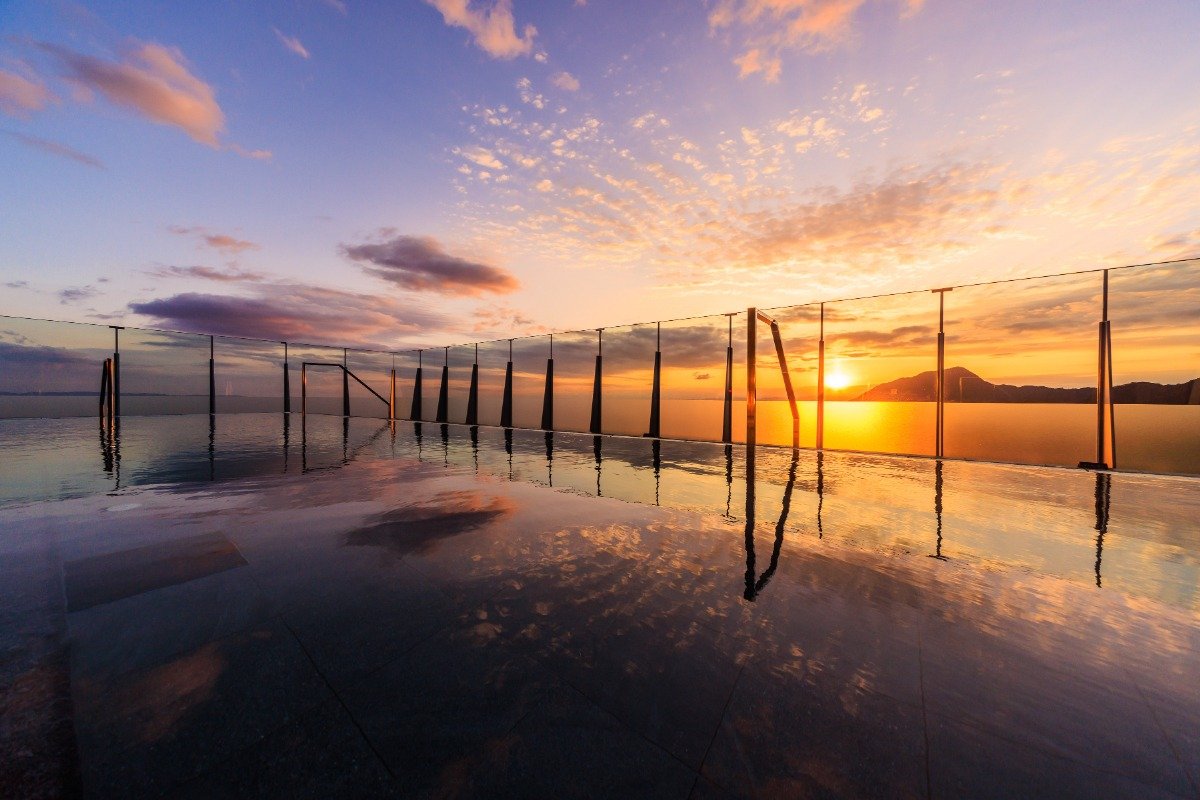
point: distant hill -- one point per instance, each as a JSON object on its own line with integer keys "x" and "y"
{"x": 964, "y": 386}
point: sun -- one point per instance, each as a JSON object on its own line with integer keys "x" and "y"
{"x": 837, "y": 380}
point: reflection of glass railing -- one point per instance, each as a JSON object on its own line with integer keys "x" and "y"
{"x": 1053, "y": 370}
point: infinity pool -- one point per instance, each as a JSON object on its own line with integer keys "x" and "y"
{"x": 263, "y": 606}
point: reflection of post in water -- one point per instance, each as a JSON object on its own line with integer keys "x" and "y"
{"x": 287, "y": 430}
{"x": 596, "y": 441}
{"x": 1103, "y": 501}
{"x": 475, "y": 446}
{"x": 445, "y": 431}
{"x": 418, "y": 437}
{"x": 937, "y": 510}
{"x": 550, "y": 458}
{"x": 508, "y": 436}
{"x": 212, "y": 447}
{"x": 820, "y": 492}
{"x": 656, "y": 460}
{"x": 345, "y": 440}
{"x": 110, "y": 448}
{"x": 754, "y": 587}
{"x": 303, "y": 443}
{"x": 728, "y": 478}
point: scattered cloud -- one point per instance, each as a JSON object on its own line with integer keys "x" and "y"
{"x": 419, "y": 263}
{"x": 292, "y": 43}
{"x": 293, "y": 312}
{"x": 491, "y": 26}
{"x": 226, "y": 244}
{"x": 230, "y": 275}
{"x": 336, "y": 5}
{"x": 260, "y": 155}
{"x": 775, "y": 26}
{"x": 565, "y": 81}
{"x": 56, "y": 148}
{"x": 153, "y": 80}
{"x": 506, "y": 321}
{"x": 77, "y": 294}
{"x": 20, "y": 95}
{"x": 17, "y": 285}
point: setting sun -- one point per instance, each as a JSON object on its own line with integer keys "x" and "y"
{"x": 837, "y": 380}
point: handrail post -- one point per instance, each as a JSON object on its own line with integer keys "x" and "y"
{"x": 821, "y": 383}
{"x": 212, "y": 376}
{"x": 345, "y": 384}
{"x": 506, "y": 405}
{"x": 415, "y": 414}
{"x": 727, "y": 411}
{"x": 115, "y": 381}
{"x": 473, "y": 392}
{"x": 548, "y": 398}
{"x": 751, "y": 386}
{"x": 1105, "y": 413}
{"x": 303, "y": 390}
{"x": 656, "y": 387}
{"x": 444, "y": 390}
{"x": 287, "y": 388}
{"x": 596, "y": 384}
{"x": 392, "y": 392}
{"x": 939, "y": 396}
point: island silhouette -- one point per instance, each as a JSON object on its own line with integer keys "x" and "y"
{"x": 964, "y": 386}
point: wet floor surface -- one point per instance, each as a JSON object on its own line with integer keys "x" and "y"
{"x": 386, "y": 612}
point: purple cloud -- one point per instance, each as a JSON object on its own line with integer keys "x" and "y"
{"x": 56, "y": 149}
{"x": 419, "y": 263}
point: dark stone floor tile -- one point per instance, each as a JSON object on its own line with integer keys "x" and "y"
{"x": 143, "y": 732}
{"x": 793, "y": 735}
{"x": 965, "y": 761}
{"x": 434, "y": 713}
{"x": 150, "y": 628}
{"x": 321, "y": 756}
{"x": 567, "y": 747}
{"x": 669, "y": 684}
{"x": 1096, "y": 718}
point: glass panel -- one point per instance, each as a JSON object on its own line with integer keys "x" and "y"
{"x": 1154, "y": 314}
{"x": 324, "y": 382}
{"x": 249, "y": 375}
{"x": 1021, "y": 370}
{"x": 431, "y": 381}
{"x": 574, "y": 373}
{"x": 406, "y": 374}
{"x": 693, "y": 377}
{"x": 163, "y": 373}
{"x": 529, "y": 380}
{"x": 800, "y": 330}
{"x": 462, "y": 358}
{"x": 627, "y": 379}
{"x": 881, "y": 374}
{"x": 51, "y": 369}
{"x": 375, "y": 370}
{"x": 493, "y": 357}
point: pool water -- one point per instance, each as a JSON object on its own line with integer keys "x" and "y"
{"x": 290, "y": 607}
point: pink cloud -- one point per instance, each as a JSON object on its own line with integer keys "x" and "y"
{"x": 492, "y": 27}
{"x": 20, "y": 95}
{"x": 154, "y": 81}
{"x": 218, "y": 241}
{"x": 292, "y": 43}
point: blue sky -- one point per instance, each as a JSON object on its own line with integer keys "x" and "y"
{"x": 433, "y": 171}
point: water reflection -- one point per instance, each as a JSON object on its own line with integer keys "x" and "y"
{"x": 1052, "y": 521}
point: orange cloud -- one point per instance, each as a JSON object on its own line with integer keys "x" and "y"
{"x": 493, "y": 28}
{"x": 218, "y": 241}
{"x": 154, "y": 81}
{"x": 20, "y": 95}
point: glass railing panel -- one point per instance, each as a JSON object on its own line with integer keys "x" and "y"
{"x": 1154, "y": 316}
{"x": 374, "y": 368}
{"x": 462, "y": 359}
{"x": 574, "y": 374}
{"x": 881, "y": 374}
{"x": 693, "y": 377}
{"x": 324, "y": 382}
{"x": 800, "y": 332}
{"x": 248, "y": 375}
{"x": 164, "y": 373}
{"x": 1021, "y": 363}
{"x": 493, "y": 358}
{"x": 51, "y": 369}
{"x": 529, "y": 380}
{"x": 627, "y": 379}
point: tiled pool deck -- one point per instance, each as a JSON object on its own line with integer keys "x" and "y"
{"x": 388, "y": 614}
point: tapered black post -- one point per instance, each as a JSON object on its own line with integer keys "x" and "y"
{"x": 345, "y": 384}
{"x": 115, "y": 383}
{"x": 287, "y": 389}
{"x": 392, "y": 394}
{"x": 104, "y": 368}
{"x": 506, "y": 406}
{"x": 473, "y": 392}
{"x": 940, "y": 388}
{"x": 727, "y": 416}
{"x": 548, "y": 399}
{"x": 821, "y": 383}
{"x": 444, "y": 390}
{"x": 596, "y": 384}
{"x": 212, "y": 376}
{"x": 416, "y": 403}
{"x": 751, "y": 391}
{"x": 656, "y": 387}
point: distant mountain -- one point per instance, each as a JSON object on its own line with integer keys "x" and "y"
{"x": 964, "y": 386}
